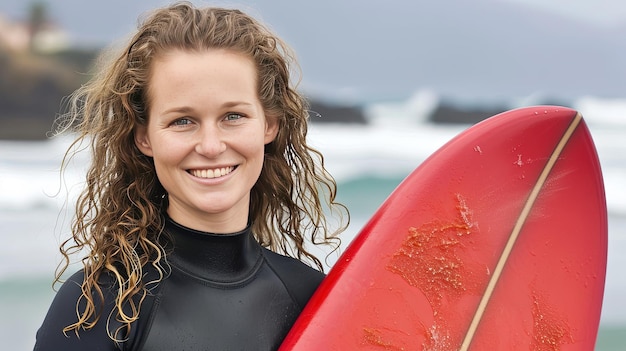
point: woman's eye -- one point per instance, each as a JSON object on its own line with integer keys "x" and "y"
{"x": 181, "y": 122}
{"x": 233, "y": 116}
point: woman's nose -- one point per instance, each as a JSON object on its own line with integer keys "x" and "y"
{"x": 210, "y": 142}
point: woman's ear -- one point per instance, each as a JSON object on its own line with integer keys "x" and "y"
{"x": 142, "y": 141}
{"x": 271, "y": 129}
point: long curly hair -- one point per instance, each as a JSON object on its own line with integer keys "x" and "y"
{"x": 119, "y": 214}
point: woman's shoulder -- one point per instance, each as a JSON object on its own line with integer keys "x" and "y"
{"x": 71, "y": 290}
{"x": 63, "y": 313}
{"x": 72, "y": 286}
{"x": 299, "y": 279}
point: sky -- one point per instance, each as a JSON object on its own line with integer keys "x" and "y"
{"x": 358, "y": 49}
{"x": 106, "y": 21}
{"x": 599, "y": 12}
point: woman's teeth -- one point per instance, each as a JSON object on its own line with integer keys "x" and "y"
{"x": 211, "y": 173}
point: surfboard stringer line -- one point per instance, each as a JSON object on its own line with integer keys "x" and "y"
{"x": 493, "y": 281}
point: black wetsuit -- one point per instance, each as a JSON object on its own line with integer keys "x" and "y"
{"x": 224, "y": 292}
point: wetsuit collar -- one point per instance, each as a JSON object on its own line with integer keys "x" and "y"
{"x": 221, "y": 258}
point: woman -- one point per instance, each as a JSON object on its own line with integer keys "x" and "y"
{"x": 199, "y": 165}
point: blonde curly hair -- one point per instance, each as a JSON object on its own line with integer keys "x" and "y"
{"x": 119, "y": 214}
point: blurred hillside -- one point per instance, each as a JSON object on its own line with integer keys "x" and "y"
{"x": 32, "y": 88}
{"x": 38, "y": 69}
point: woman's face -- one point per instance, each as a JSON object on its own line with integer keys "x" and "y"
{"x": 206, "y": 133}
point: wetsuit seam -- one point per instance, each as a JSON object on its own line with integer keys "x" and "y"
{"x": 291, "y": 296}
{"x": 154, "y": 308}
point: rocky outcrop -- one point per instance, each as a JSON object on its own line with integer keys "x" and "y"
{"x": 322, "y": 112}
{"x": 445, "y": 113}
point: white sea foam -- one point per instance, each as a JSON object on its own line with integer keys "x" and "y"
{"x": 599, "y": 111}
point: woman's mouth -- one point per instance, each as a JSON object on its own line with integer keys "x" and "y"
{"x": 211, "y": 173}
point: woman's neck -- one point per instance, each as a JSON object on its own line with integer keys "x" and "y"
{"x": 224, "y": 257}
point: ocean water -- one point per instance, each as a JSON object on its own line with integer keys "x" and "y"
{"x": 368, "y": 162}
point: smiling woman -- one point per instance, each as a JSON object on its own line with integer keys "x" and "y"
{"x": 206, "y": 133}
{"x": 200, "y": 188}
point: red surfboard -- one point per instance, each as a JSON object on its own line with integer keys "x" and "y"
{"x": 498, "y": 241}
